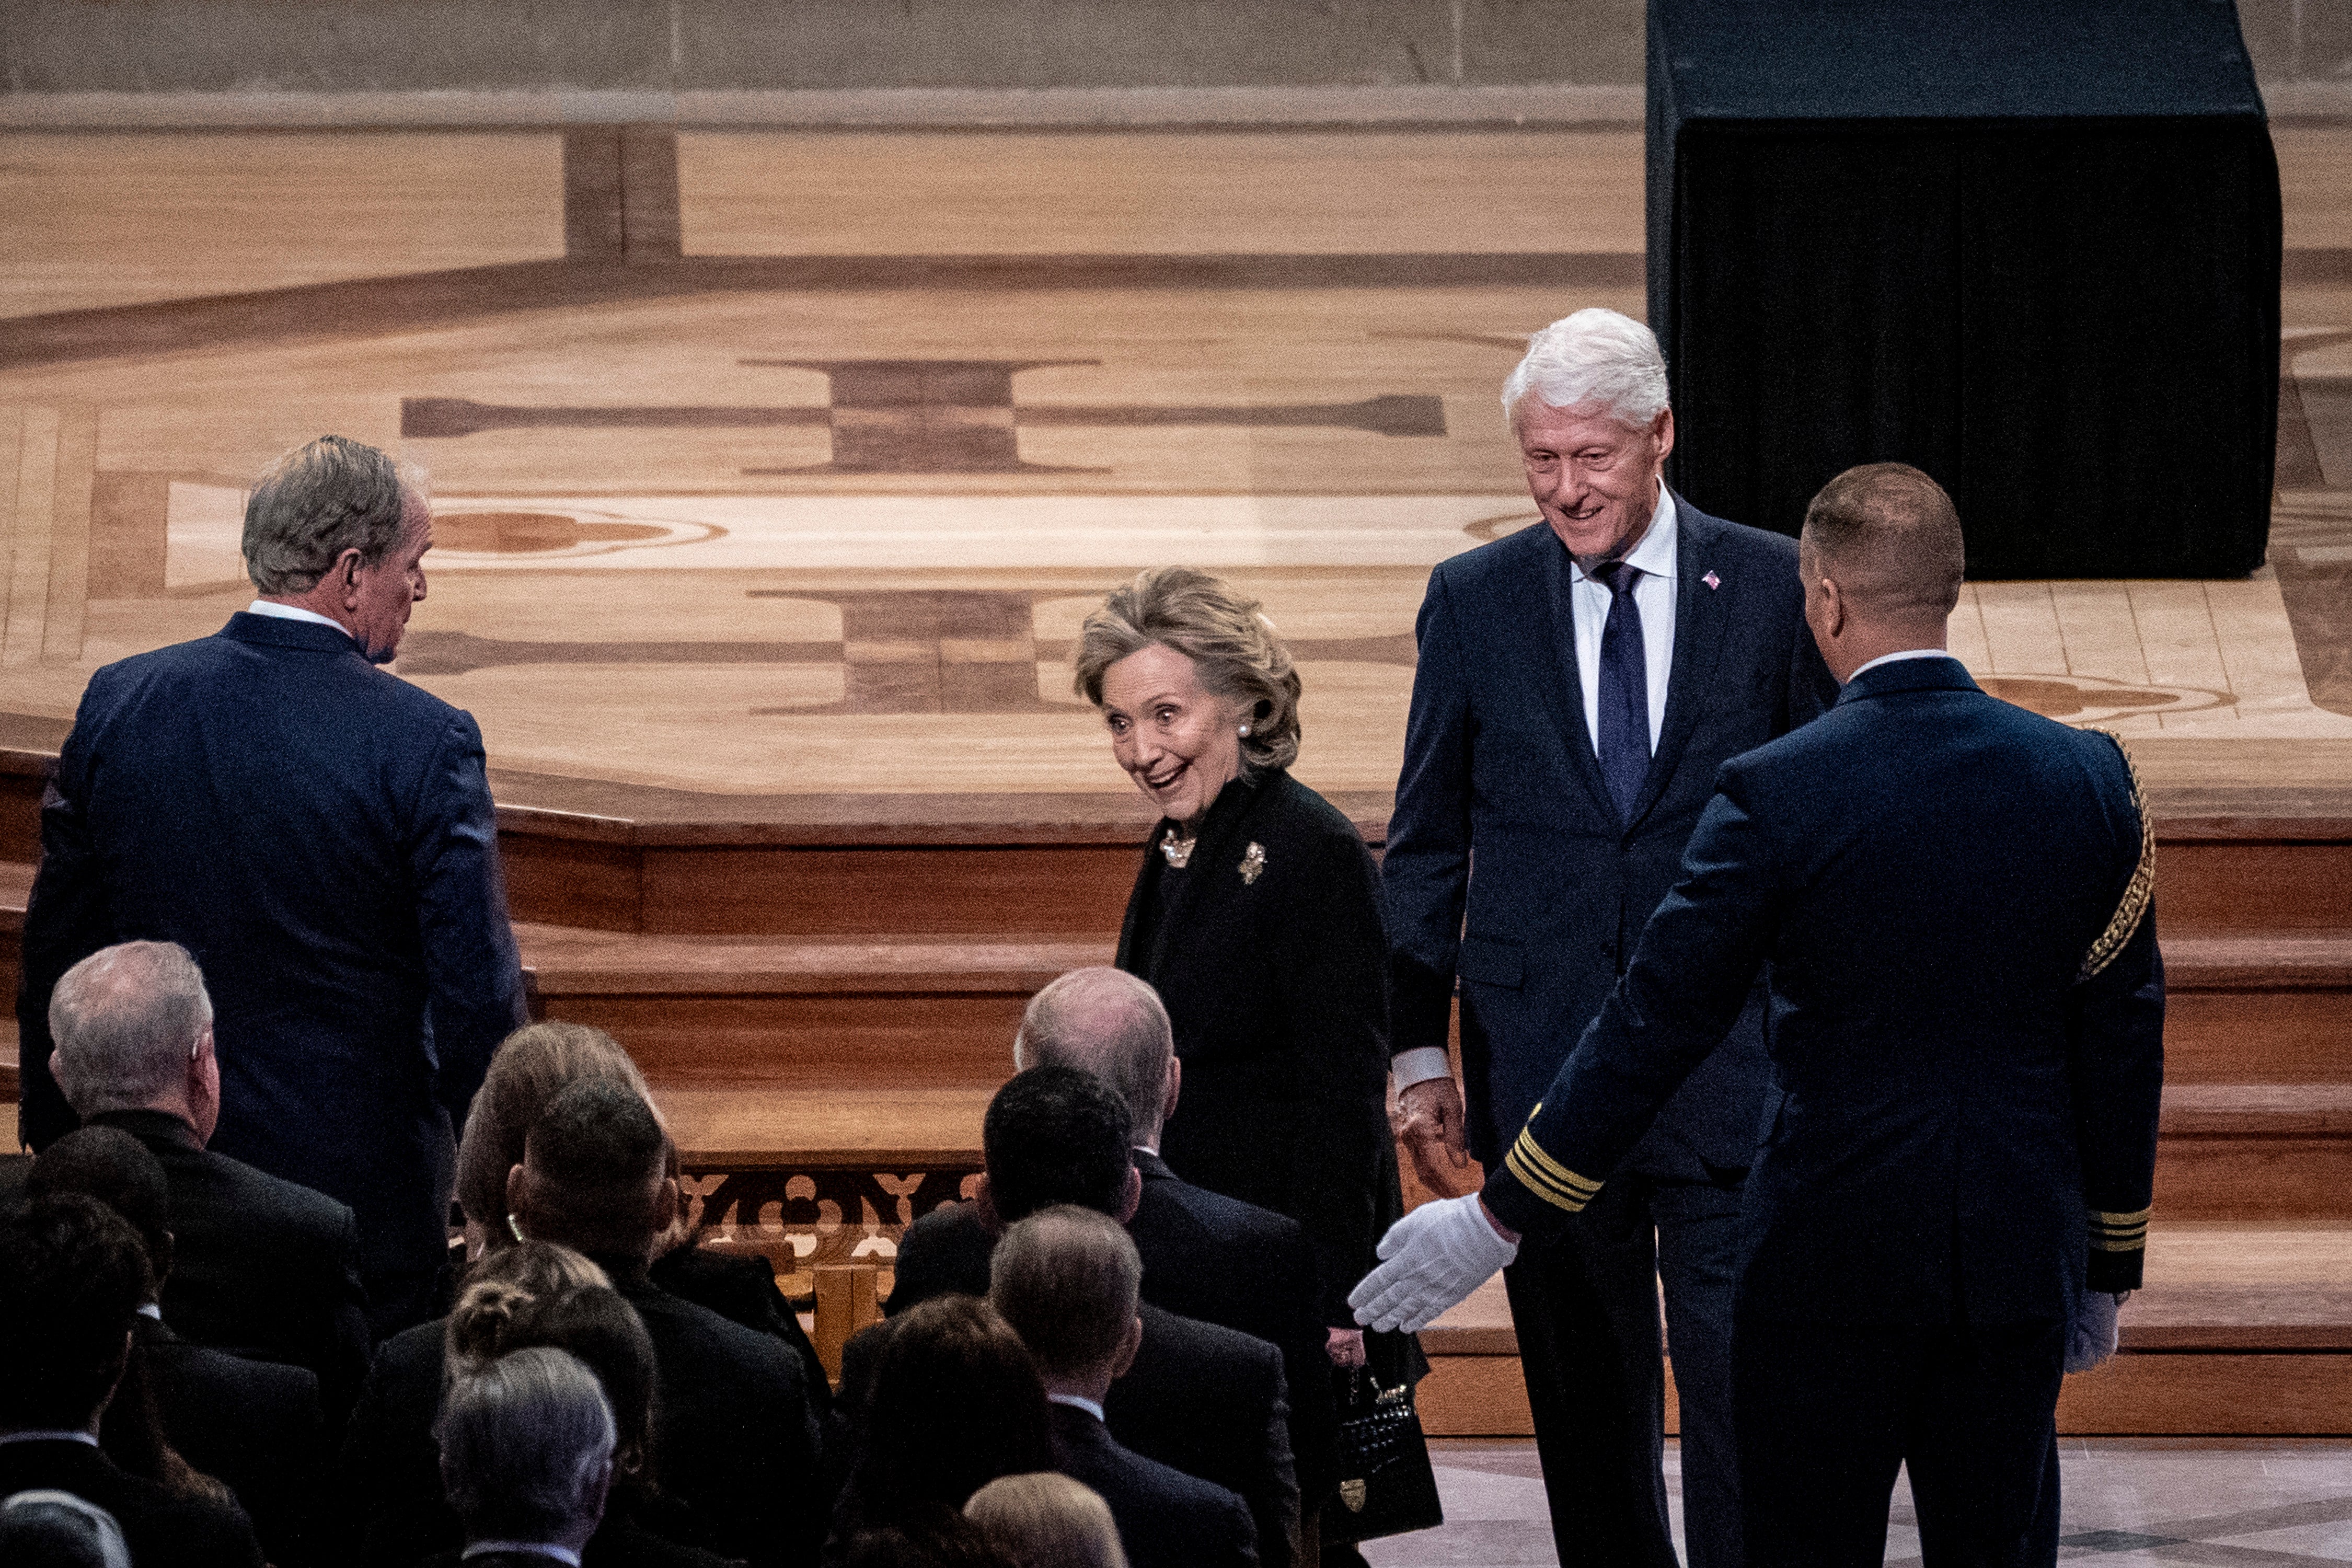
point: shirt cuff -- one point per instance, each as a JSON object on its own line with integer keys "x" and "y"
{"x": 1420, "y": 1065}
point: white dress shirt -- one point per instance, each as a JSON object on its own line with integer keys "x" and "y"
{"x": 292, "y": 613}
{"x": 1907, "y": 653}
{"x": 1654, "y": 597}
{"x": 1077, "y": 1401}
{"x": 563, "y": 1554}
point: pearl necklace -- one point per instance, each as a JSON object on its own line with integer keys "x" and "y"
{"x": 1178, "y": 850}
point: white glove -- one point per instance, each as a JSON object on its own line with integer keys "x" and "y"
{"x": 1433, "y": 1257}
{"x": 2092, "y": 1333}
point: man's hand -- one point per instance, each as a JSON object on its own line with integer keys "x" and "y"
{"x": 1432, "y": 1115}
{"x": 2092, "y": 1333}
{"x": 1345, "y": 1346}
{"x": 1433, "y": 1257}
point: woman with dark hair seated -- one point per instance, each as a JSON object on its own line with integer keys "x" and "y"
{"x": 955, "y": 1403}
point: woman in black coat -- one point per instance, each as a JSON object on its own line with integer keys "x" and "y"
{"x": 1256, "y": 916}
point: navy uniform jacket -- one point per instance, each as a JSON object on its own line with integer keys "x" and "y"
{"x": 1968, "y": 1013}
{"x": 318, "y": 834}
{"x": 1498, "y": 762}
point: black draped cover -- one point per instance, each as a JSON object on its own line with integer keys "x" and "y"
{"x": 2032, "y": 248}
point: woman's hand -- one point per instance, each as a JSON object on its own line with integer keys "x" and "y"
{"x": 1346, "y": 1346}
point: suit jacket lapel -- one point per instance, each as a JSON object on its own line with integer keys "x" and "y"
{"x": 1700, "y": 616}
{"x": 1564, "y": 696}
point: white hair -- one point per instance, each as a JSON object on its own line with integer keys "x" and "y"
{"x": 1110, "y": 1023}
{"x": 1595, "y": 356}
{"x": 526, "y": 1443}
{"x": 125, "y": 1021}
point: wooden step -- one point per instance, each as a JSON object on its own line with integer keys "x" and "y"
{"x": 2255, "y": 1152}
{"x": 2243, "y": 1329}
{"x": 2257, "y": 1006}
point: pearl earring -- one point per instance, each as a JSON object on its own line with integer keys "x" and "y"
{"x": 1245, "y": 730}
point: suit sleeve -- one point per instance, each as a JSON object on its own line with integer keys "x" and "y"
{"x": 1329, "y": 965}
{"x": 66, "y": 921}
{"x": 2115, "y": 1060}
{"x": 344, "y": 1347}
{"x": 1426, "y": 873}
{"x": 1690, "y": 974}
{"x": 473, "y": 974}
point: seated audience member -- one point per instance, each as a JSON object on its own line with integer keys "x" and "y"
{"x": 1205, "y": 1399}
{"x": 532, "y": 1068}
{"x": 72, "y": 1276}
{"x": 1047, "y": 1520}
{"x": 1205, "y": 1256}
{"x": 525, "y": 1294}
{"x": 1069, "y": 1282}
{"x": 955, "y": 1403}
{"x": 57, "y": 1529}
{"x": 262, "y": 1267}
{"x": 526, "y": 1459}
{"x": 951, "y": 1542}
{"x": 735, "y": 1434}
{"x": 253, "y": 1426}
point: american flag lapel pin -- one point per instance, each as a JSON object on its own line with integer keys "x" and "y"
{"x": 1712, "y": 581}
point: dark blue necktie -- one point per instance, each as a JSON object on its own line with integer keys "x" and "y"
{"x": 1624, "y": 689}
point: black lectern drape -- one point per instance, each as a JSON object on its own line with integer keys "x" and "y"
{"x": 2032, "y": 249}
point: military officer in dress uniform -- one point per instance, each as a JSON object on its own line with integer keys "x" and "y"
{"x": 1955, "y": 900}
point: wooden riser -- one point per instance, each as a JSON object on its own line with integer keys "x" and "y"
{"x": 2258, "y": 1037}
{"x": 812, "y": 1042}
{"x": 2253, "y": 1178}
{"x": 2177, "y": 1393}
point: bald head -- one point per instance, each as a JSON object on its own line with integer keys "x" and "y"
{"x": 132, "y": 1027}
{"x": 1110, "y": 1023}
{"x": 1883, "y": 561}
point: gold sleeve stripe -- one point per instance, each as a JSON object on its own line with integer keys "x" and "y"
{"x": 2126, "y": 921}
{"x": 2112, "y": 1232}
{"x": 1541, "y": 1185}
{"x": 2111, "y": 1244}
{"x": 1528, "y": 1147}
{"x": 2103, "y": 1216}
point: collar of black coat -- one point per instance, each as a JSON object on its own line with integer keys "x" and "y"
{"x": 1152, "y": 1166}
{"x": 278, "y": 631}
{"x": 148, "y": 1126}
{"x": 1944, "y": 674}
{"x": 1230, "y": 802}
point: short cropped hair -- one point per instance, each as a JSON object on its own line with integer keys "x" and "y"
{"x": 1056, "y": 1135}
{"x": 1594, "y": 356}
{"x": 1069, "y": 1280}
{"x": 1236, "y": 654}
{"x": 73, "y": 1275}
{"x": 524, "y": 1446}
{"x": 124, "y": 1021}
{"x": 1047, "y": 1520}
{"x": 1112, "y": 1024}
{"x": 316, "y": 502}
{"x": 533, "y": 1066}
{"x": 1888, "y": 536}
{"x": 111, "y": 1165}
{"x": 596, "y": 1152}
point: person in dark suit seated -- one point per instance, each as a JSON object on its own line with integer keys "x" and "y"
{"x": 1069, "y": 1281}
{"x": 955, "y": 1401}
{"x": 261, "y": 1267}
{"x": 1579, "y": 683}
{"x": 253, "y": 1426}
{"x": 1954, "y": 897}
{"x": 72, "y": 1276}
{"x": 533, "y": 1066}
{"x": 735, "y": 1438}
{"x": 320, "y": 834}
{"x": 1205, "y": 1256}
{"x": 1208, "y": 1400}
{"x": 1047, "y": 1520}
{"x": 526, "y": 1459}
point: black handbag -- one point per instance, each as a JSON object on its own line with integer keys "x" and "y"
{"x": 1386, "y": 1485}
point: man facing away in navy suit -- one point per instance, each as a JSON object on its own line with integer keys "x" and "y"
{"x": 1579, "y": 685}
{"x": 318, "y": 833}
{"x": 1954, "y": 897}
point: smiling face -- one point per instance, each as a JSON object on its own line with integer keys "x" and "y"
{"x": 1593, "y": 477}
{"x": 1177, "y": 741}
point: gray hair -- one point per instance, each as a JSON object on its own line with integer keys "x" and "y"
{"x": 55, "y": 1527}
{"x": 525, "y": 1444}
{"x": 1110, "y": 1023}
{"x": 1045, "y": 1519}
{"x": 1235, "y": 652}
{"x": 316, "y": 502}
{"x": 125, "y": 1021}
{"x": 1595, "y": 356}
{"x": 1069, "y": 1280}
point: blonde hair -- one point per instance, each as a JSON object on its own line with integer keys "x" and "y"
{"x": 1045, "y": 1519}
{"x": 1235, "y": 652}
{"x": 535, "y": 1065}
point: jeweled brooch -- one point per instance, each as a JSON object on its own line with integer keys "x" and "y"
{"x": 1252, "y": 862}
{"x": 1178, "y": 850}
